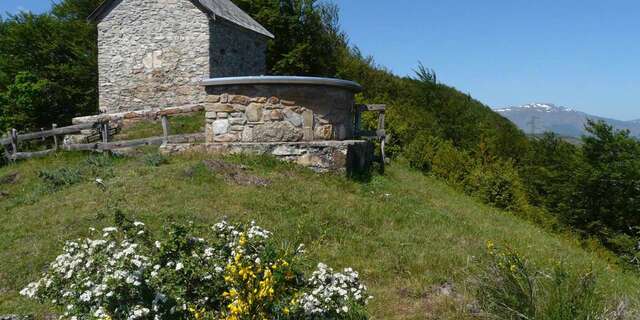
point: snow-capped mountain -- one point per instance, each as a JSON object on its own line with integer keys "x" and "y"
{"x": 541, "y": 117}
{"x": 539, "y": 107}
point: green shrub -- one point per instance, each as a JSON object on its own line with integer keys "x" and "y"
{"x": 61, "y": 177}
{"x": 94, "y": 167}
{"x": 155, "y": 159}
{"x": 497, "y": 184}
{"x": 99, "y": 165}
{"x": 451, "y": 164}
{"x": 421, "y": 151}
{"x": 511, "y": 287}
{"x": 439, "y": 157}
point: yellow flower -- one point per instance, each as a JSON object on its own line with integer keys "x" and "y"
{"x": 490, "y": 247}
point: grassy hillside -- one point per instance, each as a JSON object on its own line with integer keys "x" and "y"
{"x": 408, "y": 234}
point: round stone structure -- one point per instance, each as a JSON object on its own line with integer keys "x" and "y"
{"x": 279, "y": 109}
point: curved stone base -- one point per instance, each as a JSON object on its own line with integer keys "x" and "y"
{"x": 351, "y": 156}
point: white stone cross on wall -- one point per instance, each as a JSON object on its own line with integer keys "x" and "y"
{"x": 153, "y": 60}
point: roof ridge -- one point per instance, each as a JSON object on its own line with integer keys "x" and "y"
{"x": 221, "y": 8}
{"x": 229, "y": 11}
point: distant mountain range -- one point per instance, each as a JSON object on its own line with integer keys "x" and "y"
{"x": 537, "y": 118}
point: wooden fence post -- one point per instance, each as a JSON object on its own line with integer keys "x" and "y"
{"x": 383, "y": 139}
{"x": 14, "y": 142}
{"x": 105, "y": 132}
{"x": 55, "y": 136}
{"x": 165, "y": 129}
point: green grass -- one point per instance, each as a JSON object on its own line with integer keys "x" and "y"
{"x": 406, "y": 233}
{"x": 182, "y": 124}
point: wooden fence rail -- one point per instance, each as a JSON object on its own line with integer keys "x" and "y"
{"x": 49, "y": 133}
{"x": 105, "y": 131}
{"x": 153, "y": 141}
{"x": 14, "y": 138}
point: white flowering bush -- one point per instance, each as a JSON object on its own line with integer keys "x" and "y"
{"x": 332, "y": 292}
{"x": 234, "y": 272}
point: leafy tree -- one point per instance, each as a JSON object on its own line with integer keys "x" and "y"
{"x": 26, "y": 103}
{"x": 607, "y": 199}
{"x": 57, "y": 49}
{"x": 425, "y": 74}
{"x": 550, "y": 169}
{"x": 75, "y": 10}
{"x": 308, "y": 40}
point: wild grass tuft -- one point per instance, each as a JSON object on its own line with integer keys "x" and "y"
{"x": 512, "y": 287}
{"x": 60, "y": 177}
{"x": 155, "y": 159}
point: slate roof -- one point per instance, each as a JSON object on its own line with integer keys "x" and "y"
{"x": 224, "y": 9}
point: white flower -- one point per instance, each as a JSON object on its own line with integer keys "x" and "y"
{"x": 109, "y": 230}
{"x": 100, "y": 313}
{"x": 86, "y": 296}
{"x": 31, "y": 290}
{"x": 179, "y": 266}
{"x": 138, "y": 312}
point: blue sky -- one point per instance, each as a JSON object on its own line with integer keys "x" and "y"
{"x": 583, "y": 54}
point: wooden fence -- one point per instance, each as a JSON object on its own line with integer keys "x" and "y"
{"x": 101, "y": 125}
{"x": 380, "y": 134}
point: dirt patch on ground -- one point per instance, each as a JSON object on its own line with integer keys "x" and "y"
{"x": 234, "y": 173}
{"x": 440, "y": 301}
{"x": 11, "y": 178}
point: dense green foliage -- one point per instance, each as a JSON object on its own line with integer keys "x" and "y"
{"x": 593, "y": 188}
{"x": 48, "y": 67}
{"x": 307, "y": 38}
